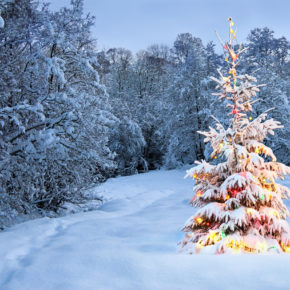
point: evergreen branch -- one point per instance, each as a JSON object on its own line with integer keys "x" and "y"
{"x": 217, "y": 121}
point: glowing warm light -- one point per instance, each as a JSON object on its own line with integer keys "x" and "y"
{"x": 274, "y": 212}
{"x": 262, "y": 246}
{"x": 207, "y": 224}
{"x": 270, "y": 196}
{"x": 250, "y": 210}
{"x": 194, "y": 176}
{"x": 212, "y": 235}
{"x": 215, "y": 157}
{"x": 199, "y": 220}
{"x": 233, "y": 72}
{"x": 215, "y": 237}
{"x": 199, "y": 193}
{"x": 250, "y": 118}
{"x": 285, "y": 249}
{"x": 199, "y": 245}
{"x": 227, "y": 197}
{"x": 237, "y": 250}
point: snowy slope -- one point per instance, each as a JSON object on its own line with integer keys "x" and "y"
{"x": 130, "y": 243}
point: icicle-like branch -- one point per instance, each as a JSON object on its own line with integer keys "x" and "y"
{"x": 217, "y": 121}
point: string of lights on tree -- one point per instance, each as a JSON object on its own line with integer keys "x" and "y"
{"x": 241, "y": 207}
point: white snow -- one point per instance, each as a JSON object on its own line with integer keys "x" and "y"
{"x": 129, "y": 243}
{"x": 1, "y": 22}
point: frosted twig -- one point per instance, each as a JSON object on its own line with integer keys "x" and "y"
{"x": 220, "y": 40}
{"x": 255, "y": 101}
{"x": 243, "y": 50}
{"x": 219, "y": 71}
{"x": 271, "y": 109}
{"x": 217, "y": 121}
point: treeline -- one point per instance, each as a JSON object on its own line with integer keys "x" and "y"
{"x": 72, "y": 116}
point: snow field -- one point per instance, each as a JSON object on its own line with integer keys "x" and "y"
{"x": 129, "y": 243}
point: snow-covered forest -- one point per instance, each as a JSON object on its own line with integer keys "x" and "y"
{"x": 72, "y": 115}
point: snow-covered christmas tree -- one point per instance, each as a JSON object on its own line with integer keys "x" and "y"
{"x": 241, "y": 207}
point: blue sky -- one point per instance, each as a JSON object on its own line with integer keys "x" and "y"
{"x": 136, "y": 24}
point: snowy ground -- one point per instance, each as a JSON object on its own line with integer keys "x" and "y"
{"x": 130, "y": 243}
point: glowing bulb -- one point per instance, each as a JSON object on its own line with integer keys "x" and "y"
{"x": 262, "y": 246}
{"x": 274, "y": 212}
{"x": 250, "y": 118}
{"x": 215, "y": 157}
{"x": 199, "y": 193}
{"x": 212, "y": 235}
{"x": 250, "y": 210}
{"x": 227, "y": 197}
{"x": 199, "y": 245}
{"x": 232, "y": 71}
{"x": 287, "y": 249}
{"x": 199, "y": 220}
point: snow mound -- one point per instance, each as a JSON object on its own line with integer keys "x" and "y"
{"x": 129, "y": 243}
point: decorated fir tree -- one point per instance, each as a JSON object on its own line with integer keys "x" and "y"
{"x": 241, "y": 207}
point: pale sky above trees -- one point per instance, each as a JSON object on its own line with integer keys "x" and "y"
{"x": 136, "y": 24}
